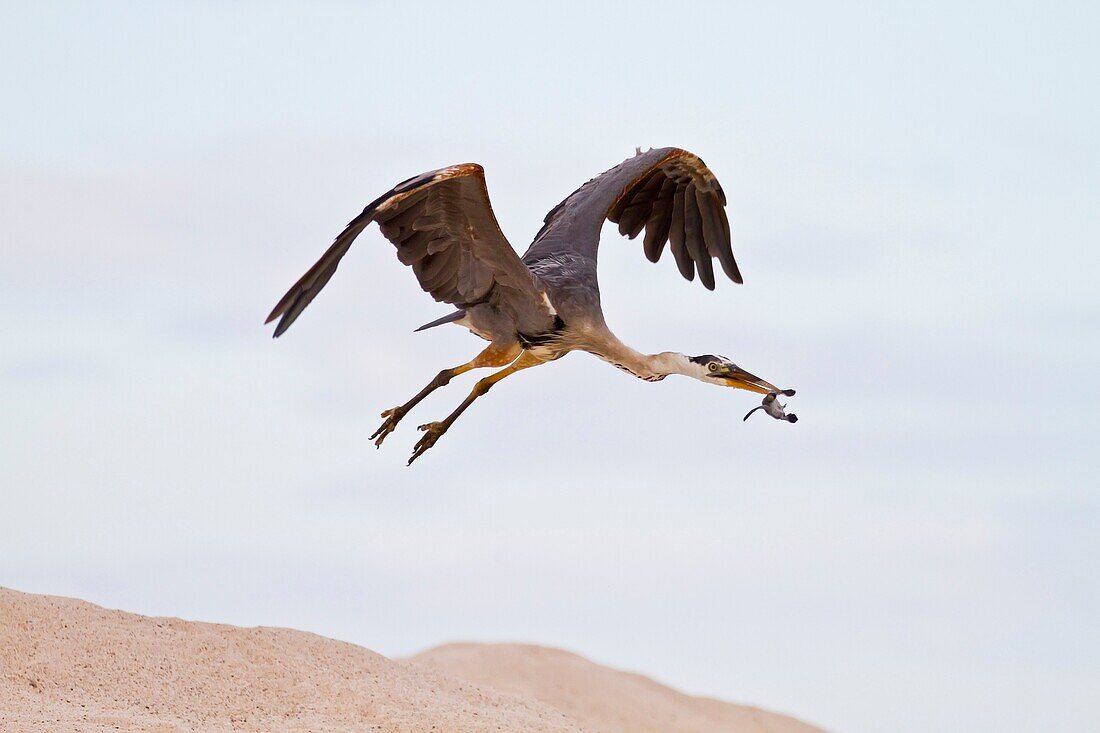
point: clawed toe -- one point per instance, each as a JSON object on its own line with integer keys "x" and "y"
{"x": 392, "y": 417}
{"x": 432, "y": 431}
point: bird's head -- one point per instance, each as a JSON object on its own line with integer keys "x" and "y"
{"x": 721, "y": 371}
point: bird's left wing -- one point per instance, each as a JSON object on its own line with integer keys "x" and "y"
{"x": 669, "y": 192}
{"x": 444, "y": 228}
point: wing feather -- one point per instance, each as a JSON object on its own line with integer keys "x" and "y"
{"x": 693, "y": 235}
{"x": 670, "y": 193}
{"x": 715, "y": 233}
{"x": 656, "y": 232}
{"x": 684, "y": 260}
{"x": 640, "y": 208}
{"x": 443, "y": 226}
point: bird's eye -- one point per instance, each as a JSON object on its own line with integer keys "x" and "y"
{"x": 712, "y": 367}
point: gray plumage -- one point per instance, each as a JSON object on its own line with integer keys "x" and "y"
{"x": 540, "y": 306}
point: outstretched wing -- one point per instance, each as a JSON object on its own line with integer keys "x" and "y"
{"x": 443, "y": 227}
{"x": 668, "y": 192}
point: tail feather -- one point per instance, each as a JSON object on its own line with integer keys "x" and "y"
{"x": 450, "y": 318}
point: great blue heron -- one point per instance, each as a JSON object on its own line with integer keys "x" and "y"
{"x": 537, "y": 308}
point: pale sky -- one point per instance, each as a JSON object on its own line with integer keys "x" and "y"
{"x": 914, "y": 199}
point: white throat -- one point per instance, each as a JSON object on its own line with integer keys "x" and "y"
{"x": 650, "y": 367}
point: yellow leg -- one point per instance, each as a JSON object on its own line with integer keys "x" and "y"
{"x": 494, "y": 355}
{"x": 433, "y": 430}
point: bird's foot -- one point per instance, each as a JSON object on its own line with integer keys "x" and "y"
{"x": 432, "y": 431}
{"x": 393, "y": 416}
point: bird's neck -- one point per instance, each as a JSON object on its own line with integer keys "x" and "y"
{"x": 650, "y": 367}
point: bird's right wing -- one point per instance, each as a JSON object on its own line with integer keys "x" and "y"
{"x": 444, "y": 228}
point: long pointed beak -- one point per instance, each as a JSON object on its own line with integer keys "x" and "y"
{"x": 738, "y": 378}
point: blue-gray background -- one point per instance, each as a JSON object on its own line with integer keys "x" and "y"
{"x": 913, "y": 193}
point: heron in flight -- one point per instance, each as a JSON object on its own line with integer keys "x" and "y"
{"x": 537, "y": 308}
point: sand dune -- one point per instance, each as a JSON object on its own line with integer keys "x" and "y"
{"x": 67, "y": 665}
{"x": 599, "y": 699}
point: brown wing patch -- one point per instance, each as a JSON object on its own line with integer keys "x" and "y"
{"x": 443, "y": 226}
